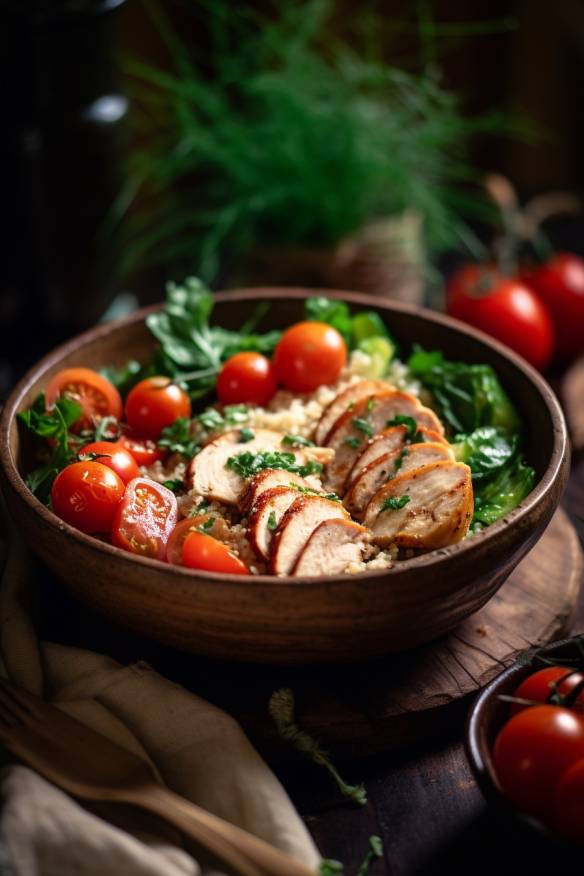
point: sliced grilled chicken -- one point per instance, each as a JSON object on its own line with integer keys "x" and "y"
{"x": 331, "y": 547}
{"x": 366, "y": 419}
{"x": 389, "y": 440}
{"x": 438, "y": 511}
{"x": 339, "y": 405}
{"x": 207, "y": 473}
{"x": 296, "y": 527}
{"x": 274, "y": 477}
{"x": 377, "y": 473}
{"x": 265, "y": 515}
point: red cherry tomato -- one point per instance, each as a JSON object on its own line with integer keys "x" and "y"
{"x": 309, "y": 355}
{"x": 177, "y": 537}
{"x": 145, "y": 518}
{"x": 539, "y": 686}
{"x": 246, "y": 378}
{"x": 114, "y": 456}
{"x": 144, "y": 451}
{"x": 568, "y": 803}
{"x": 202, "y": 551}
{"x": 532, "y": 751}
{"x": 155, "y": 403}
{"x": 86, "y": 495}
{"x": 504, "y": 308}
{"x": 560, "y": 285}
{"x": 97, "y": 397}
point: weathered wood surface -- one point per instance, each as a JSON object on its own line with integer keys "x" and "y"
{"x": 572, "y": 392}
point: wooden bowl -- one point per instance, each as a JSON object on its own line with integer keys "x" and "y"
{"x": 486, "y": 718}
{"x": 294, "y": 620}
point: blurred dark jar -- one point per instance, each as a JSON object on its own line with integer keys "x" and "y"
{"x": 62, "y": 147}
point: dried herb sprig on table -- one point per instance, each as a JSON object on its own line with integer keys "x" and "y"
{"x": 281, "y": 134}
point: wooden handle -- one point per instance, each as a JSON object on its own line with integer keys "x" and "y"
{"x": 245, "y": 854}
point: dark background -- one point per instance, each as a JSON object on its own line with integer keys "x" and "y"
{"x": 68, "y": 129}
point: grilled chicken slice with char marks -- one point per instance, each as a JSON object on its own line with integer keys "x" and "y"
{"x": 265, "y": 515}
{"x": 438, "y": 511}
{"x": 331, "y": 547}
{"x": 208, "y": 475}
{"x": 382, "y": 469}
{"x": 342, "y": 402}
{"x": 389, "y": 440}
{"x": 296, "y": 527}
{"x": 365, "y": 420}
{"x": 274, "y": 477}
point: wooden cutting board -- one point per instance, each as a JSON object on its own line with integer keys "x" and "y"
{"x": 379, "y": 705}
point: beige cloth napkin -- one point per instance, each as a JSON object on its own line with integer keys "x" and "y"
{"x": 198, "y": 751}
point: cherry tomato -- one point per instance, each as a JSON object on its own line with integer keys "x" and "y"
{"x": 532, "y": 751}
{"x": 539, "y": 687}
{"x": 560, "y": 285}
{"x": 145, "y": 518}
{"x": 568, "y": 803}
{"x": 202, "y": 551}
{"x": 116, "y": 457}
{"x": 144, "y": 451}
{"x": 246, "y": 378}
{"x": 86, "y": 495}
{"x": 155, "y": 403}
{"x": 177, "y": 537}
{"x": 309, "y": 355}
{"x": 503, "y": 307}
{"x": 97, "y": 396}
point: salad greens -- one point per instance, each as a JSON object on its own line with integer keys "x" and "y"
{"x": 484, "y": 427}
{"x": 53, "y": 428}
{"x": 248, "y": 464}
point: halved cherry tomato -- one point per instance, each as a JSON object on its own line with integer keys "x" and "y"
{"x": 568, "y": 803}
{"x": 532, "y": 751}
{"x": 247, "y": 378}
{"x": 309, "y": 355}
{"x": 87, "y": 495}
{"x": 145, "y": 518}
{"x": 559, "y": 283}
{"x": 155, "y": 403}
{"x": 202, "y": 551}
{"x": 503, "y": 307}
{"x": 144, "y": 451}
{"x": 539, "y": 686}
{"x": 114, "y": 456}
{"x": 177, "y": 537}
{"x": 97, "y": 397}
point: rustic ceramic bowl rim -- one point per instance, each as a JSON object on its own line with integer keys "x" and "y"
{"x": 434, "y": 558}
{"x": 480, "y": 766}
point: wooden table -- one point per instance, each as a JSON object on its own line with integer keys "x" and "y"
{"x": 423, "y": 802}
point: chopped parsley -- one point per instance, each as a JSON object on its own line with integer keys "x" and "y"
{"x": 364, "y": 426}
{"x": 213, "y": 420}
{"x": 207, "y": 525}
{"x": 370, "y": 404}
{"x": 412, "y": 436}
{"x": 272, "y": 522}
{"x": 246, "y": 435}
{"x": 353, "y": 442}
{"x": 297, "y": 441}
{"x": 177, "y": 438}
{"x": 174, "y": 484}
{"x": 308, "y": 491}
{"x": 248, "y": 464}
{"x": 202, "y": 506}
{"x": 394, "y": 503}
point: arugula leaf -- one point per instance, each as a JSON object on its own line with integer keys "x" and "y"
{"x": 192, "y": 351}
{"x": 487, "y": 450}
{"x": 335, "y": 313}
{"x": 501, "y": 495}
{"x": 468, "y": 396}
{"x": 394, "y": 503}
{"x": 177, "y": 438}
{"x": 248, "y": 464}
{"x": 53, "y": 425}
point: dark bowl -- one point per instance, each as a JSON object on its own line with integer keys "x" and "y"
{"x": 487, "y": 716}
{"x": 264, "y": 619}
